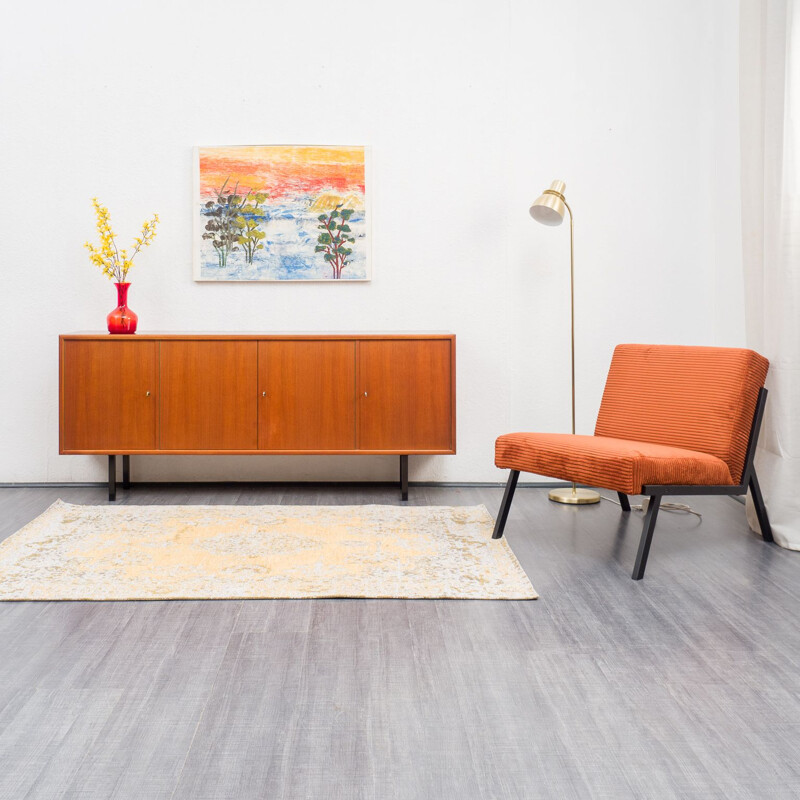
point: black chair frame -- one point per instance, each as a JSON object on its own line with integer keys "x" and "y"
{"x": 656, "y": 492}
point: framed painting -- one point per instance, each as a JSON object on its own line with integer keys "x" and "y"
{"x": 281, "y": 213}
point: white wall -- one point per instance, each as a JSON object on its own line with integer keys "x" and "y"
{"x": 470, "y": 113}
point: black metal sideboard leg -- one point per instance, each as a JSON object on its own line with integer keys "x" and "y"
{"x": 126, "y": 472}
{"x": 404, "y": 477}
{"x": 112, "y": 478}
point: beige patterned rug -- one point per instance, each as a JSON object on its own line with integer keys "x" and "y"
{"x": 73, "y": 552}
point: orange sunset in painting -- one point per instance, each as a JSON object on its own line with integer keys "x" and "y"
{"x": 281, "y": 213}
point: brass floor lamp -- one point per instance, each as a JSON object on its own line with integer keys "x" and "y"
{"x": 549, "y": 209}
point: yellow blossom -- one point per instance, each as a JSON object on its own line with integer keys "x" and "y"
{"x": 111, "y": 261}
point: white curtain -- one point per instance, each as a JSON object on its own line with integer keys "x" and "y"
{"x": 770, "y": 142}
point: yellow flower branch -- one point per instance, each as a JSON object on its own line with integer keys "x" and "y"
{"x": 113, "y": 262}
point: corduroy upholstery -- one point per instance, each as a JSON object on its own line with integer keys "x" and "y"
{"x": 697, "y": 398}
{"x": 669, "y": 415}
{"x": 617, "y": 464}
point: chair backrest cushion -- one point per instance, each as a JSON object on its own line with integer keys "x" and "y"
{"x": 698, "y": 398}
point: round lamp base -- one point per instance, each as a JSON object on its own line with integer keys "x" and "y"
{"x": 574, "y": 496}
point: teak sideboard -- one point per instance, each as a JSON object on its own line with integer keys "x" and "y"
{"x": 257, "y": 394}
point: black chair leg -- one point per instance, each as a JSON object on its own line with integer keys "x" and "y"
{"x": 505, "y": 506}
{"x": 761, "y": 509}
{"x": 647, "y": 537}
{"x": 623, "y": 501}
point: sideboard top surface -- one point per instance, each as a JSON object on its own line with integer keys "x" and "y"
{"x": 265, "y": 335}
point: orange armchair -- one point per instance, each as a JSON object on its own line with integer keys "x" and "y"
{"x": 673, "y": 420}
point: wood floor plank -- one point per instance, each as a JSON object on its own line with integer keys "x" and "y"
{"x": 44, "y": 743}
{"x": 165, "y": 665}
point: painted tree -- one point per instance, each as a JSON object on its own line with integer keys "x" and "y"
{"x": 335, "y": 237}
{"x": 222, "y": 228}
{"x": 250, "y": 234}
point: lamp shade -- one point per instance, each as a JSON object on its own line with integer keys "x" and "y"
{"x": 549, "y": 208}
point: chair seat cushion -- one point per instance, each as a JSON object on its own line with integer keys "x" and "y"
{"x": 618, "y": 464}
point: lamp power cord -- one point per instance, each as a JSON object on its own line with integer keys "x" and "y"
{"x": 673, "y": 507}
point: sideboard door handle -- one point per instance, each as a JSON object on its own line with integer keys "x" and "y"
{"x": 147, "y": 394}
{"x": 365, "y": 394}
{"x": 263, "y": 394}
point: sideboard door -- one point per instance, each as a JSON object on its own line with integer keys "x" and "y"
{"x": 109, "y": 395}
{"x": 208, "y": 395}
{"x": 405, "y": 395}
{"x": 306, "y": 395}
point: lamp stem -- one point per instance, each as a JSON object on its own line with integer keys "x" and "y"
{"x": 572, "y": 315}
{"x": 572, "y": 309}
{"x": 574, "y": 496}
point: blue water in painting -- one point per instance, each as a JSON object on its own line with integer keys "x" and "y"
{"x": 288, "y": 254}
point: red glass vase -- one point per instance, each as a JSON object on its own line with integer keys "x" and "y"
{"x": 122, "y": 319}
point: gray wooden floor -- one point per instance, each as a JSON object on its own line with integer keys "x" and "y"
{"x": 684, "y": 685}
